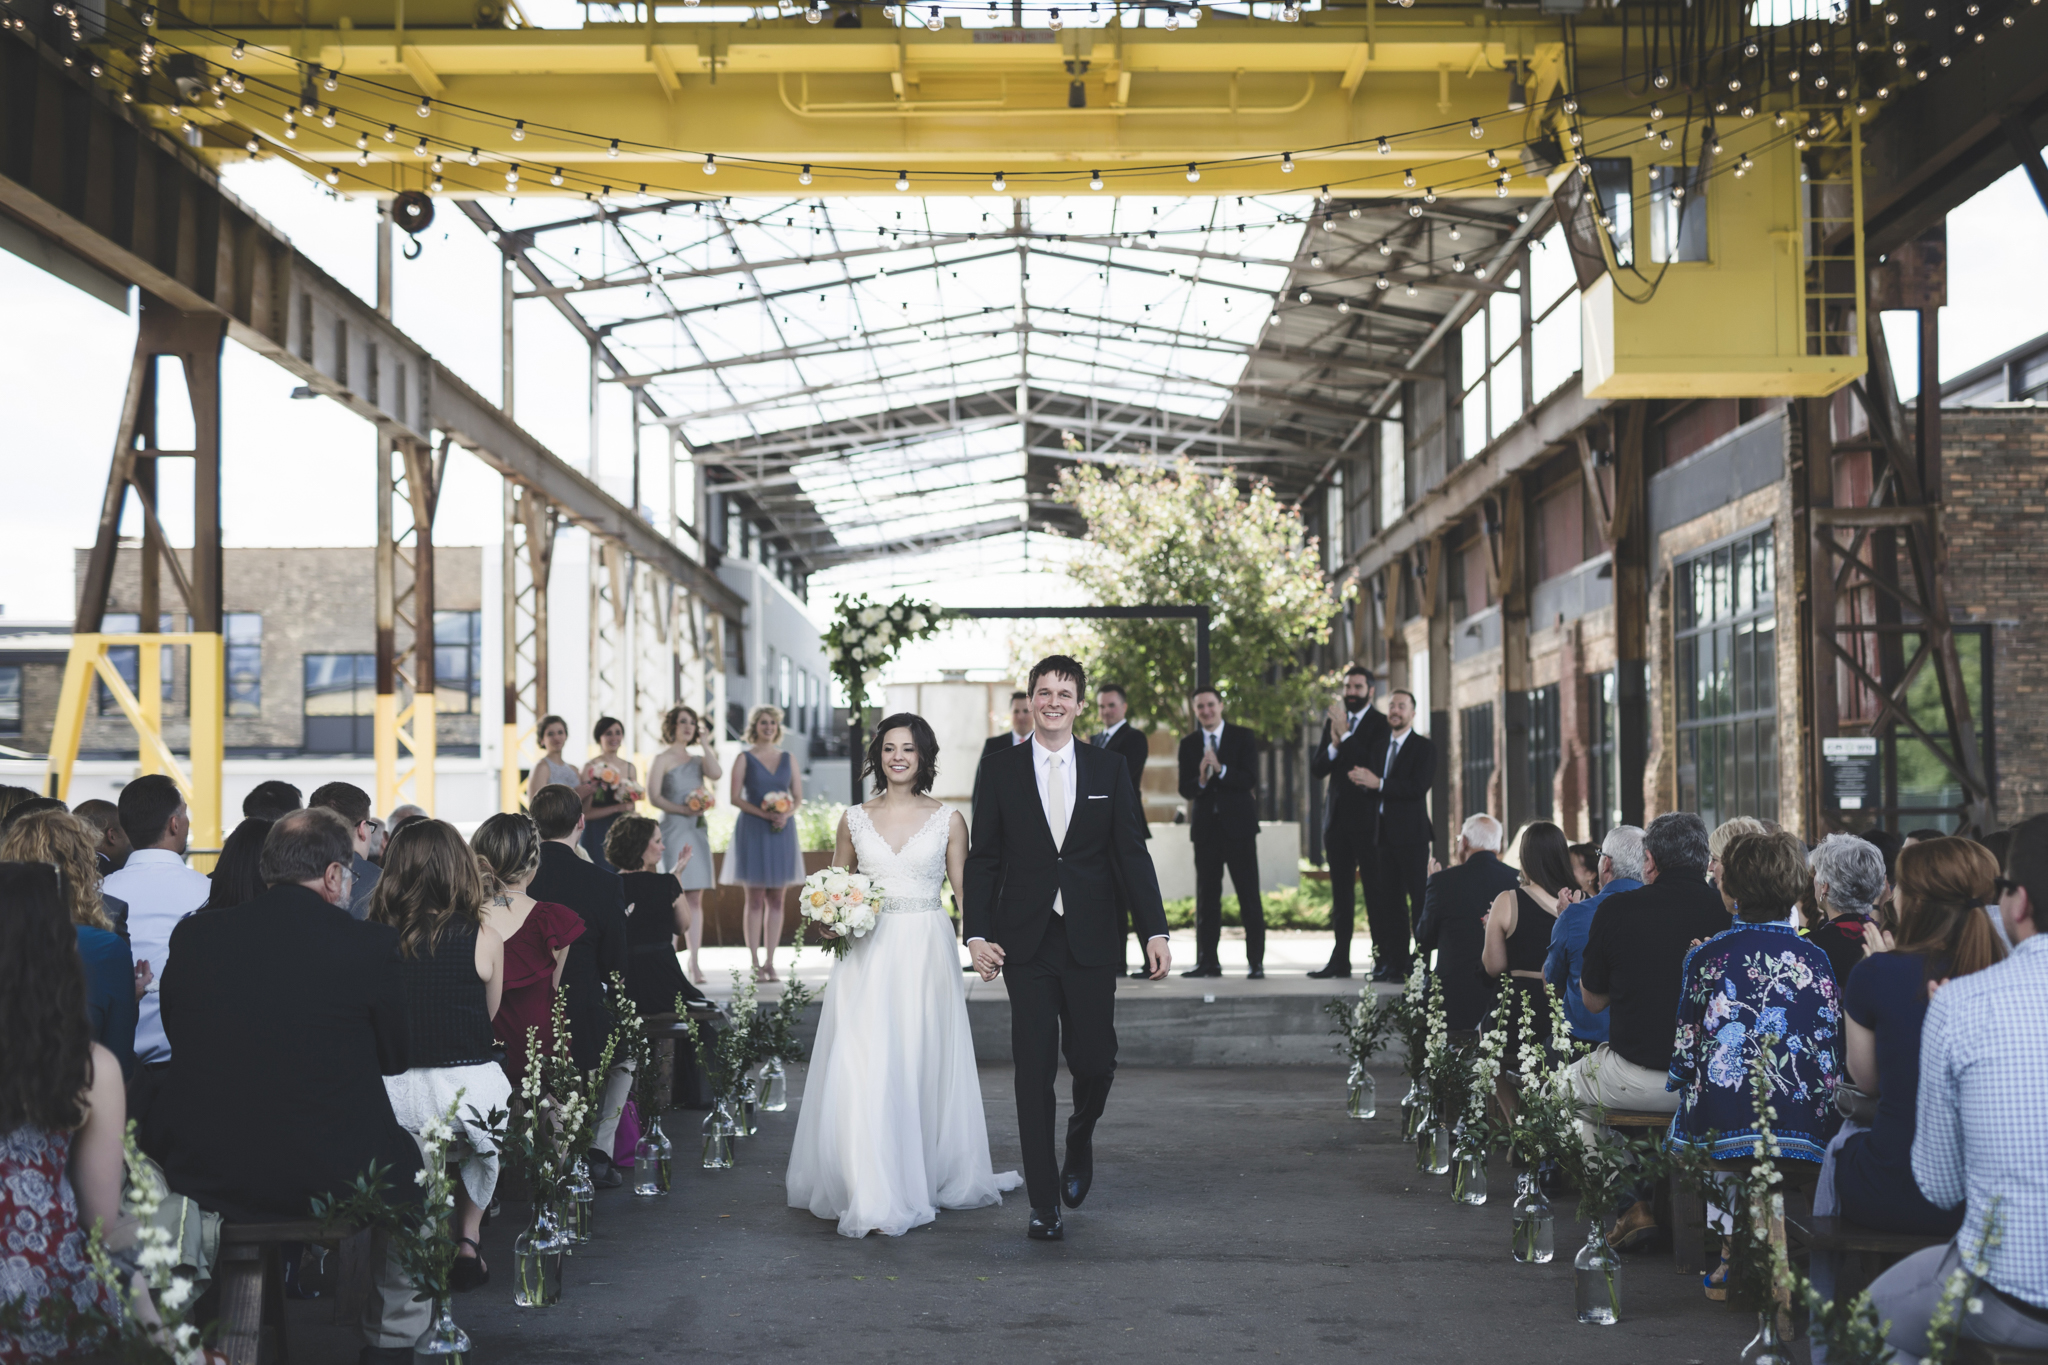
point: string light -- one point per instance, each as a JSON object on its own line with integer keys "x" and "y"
{"x": 519, "y": 131}
{"x": 1476, "y": 131}
{"x": 803, "y": 177}
{"x": 935, "y": 23}
{"x": 437, "y": 167}
{"x": 239, "y": 50}
{"x": 1173, "y": 18}
{"x": 1053, "y": 21}
{"x": 1386, "y": 247}
{"x": 333, "y": 176}
{"x": 1492, "y": 159}
{"x": 1194, "y": 174}
{"x": 391, "y": 132}
{"x": 999, "y": 184}
{"x": 815, "y": 13}
{"x": 1381, "y": 283}
{"x": 1429, "y": 195}
{"x": 327, "y": 119}
{"x": 1095, "y": 180}
{"x": 1304, "y": 297}
{"x": 436, "y": 185}
{"x": 475, "y": 155}
{"x": 1315, "y": 260}
{"x": 420, "y": 148}
{"x": 1287, "y": 163}
{"x": 710, "y": 163}
{"x": 331, "y": 81}
{"x": 613, "y": 150}
{"x": 556, "y": 178}
{"x": 903, "y": 177}
{"x": 426, "y": 106}
{"x": 1408, "y": 179}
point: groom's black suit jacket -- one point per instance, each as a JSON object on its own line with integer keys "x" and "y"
{"x": 1014, "y": 869}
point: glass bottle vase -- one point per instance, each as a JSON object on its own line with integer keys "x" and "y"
{"x": 1535, "y": 1238}
{"x": 718, "y": 1139}
{"x": 444, "y": 1340}
{"x": 1468, "y": 1173}
{"x": 774, "y": 1087}
{"x": 581, "y": 1194}
{"x": 1361, "y": 1093}
{"x": 1596, "y": 1273}
{"x": 1414, "y": 1109}
{"x": 537, "y": 1261}
{"x": 1767, "y": 1347}
{"x": 1439, "y": 1149}
{"x": 1424, "y": 1138}
{"x": 744, "y": 1102}
{"x": 653, "y": 1159}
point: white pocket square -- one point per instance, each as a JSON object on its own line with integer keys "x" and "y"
{"x": 1104, "y": 796}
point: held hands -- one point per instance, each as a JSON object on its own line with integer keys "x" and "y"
{"x": 988, "y": 958}
{"x": 1210, "y": 767}
{"x": 1365, "y": 777}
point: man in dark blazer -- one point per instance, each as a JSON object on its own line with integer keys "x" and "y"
{"x": 1118, "y": 736}
{"x": 1403, "y": 783}
{"x": 285, "y": 1016}
{"x": 1453, "y": 923}
{"x": 1354, "y": 743}
{"x": 1219, "y": 777}
{"x": 1055, "y": 843}
{"x": 1019, "y": 731}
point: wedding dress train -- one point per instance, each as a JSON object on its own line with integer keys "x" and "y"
{"x": 890, "y": 1127}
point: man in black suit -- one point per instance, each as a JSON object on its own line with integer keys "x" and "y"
{"x": 1055, "y": 843}
{"x": 1119, "y": 737}
{"x": 1453, "y": 923}
{"x": 600, "y": 898}
{"x": 287, "y": 1015}
{"x": 1403, "y": 784}
{"x": 1020, "y": 727}
{"x": 1354, "y": 743}
{"x": 1219, "y": 777}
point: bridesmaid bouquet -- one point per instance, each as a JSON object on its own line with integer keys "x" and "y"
{"x": 614, "y": 788}
{"x": 778, "y": 803}
{"x": 844, "y": 905}
{"x": 699, "y": 801}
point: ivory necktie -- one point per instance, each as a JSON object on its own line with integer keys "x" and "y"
{"x": 1056, "y": 811}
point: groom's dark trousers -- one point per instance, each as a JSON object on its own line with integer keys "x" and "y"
{"x": 1058, "y": 1005}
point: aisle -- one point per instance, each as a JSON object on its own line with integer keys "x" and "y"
{"x": 1237, "y": 1214}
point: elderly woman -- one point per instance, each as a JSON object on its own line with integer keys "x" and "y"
{"x": 1848, "y": 880}
{"x": 1757, "y": 995}
{"x": 1723, "y": 835}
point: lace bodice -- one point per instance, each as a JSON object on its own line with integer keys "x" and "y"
{"x": 911, "y": 877}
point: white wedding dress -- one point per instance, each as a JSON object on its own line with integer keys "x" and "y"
{"x": 890, "y": 1128}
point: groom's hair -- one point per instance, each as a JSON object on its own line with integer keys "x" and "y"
{"x": 1059, "y": 666}
{"x": 927, "y": 752}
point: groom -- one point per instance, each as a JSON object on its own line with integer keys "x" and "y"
{"x": 1058, "y": 833}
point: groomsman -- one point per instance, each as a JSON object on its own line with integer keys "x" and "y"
{"x": 1353, "y": 747}
{"x": 1111, "y": 706}
{"x": 1405, "y": 833}
{"x": 1020, "y": 727}
{"x": 1219, "y": 776}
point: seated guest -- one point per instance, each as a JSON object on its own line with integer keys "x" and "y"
{"x": 1453, "y": 923}
{"x": 536, "y": 935}
{"x": 1586, "y": 870}
{"x": 11, "y": 796}
{"x": 1519, "y": 924}
{"x": 103, "y": 819}
{"x": 284, "y": 1016}
{"x": 30, "y": 807}
{"x": 401, "y": 816}
{"x": 655, "y": 912}
{"x": 453, "y": 967}
{"x": 352, "y": 804}
{"x": 110, "y": 986}
{"x": 1848, "y": 879}
{"x": 160, "y": 890}
{"x": 271, "y": 801}
{"x": 1620, "y": 870}
{"x": 1982, "y": 1125}
{"x": 237, "y": 874}
{"x": 61, "y": 1117}
{"x": 1943, "y": 884}
{"x": 1723, "y": 835}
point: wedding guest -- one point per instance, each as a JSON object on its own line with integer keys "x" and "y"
{"x": 1112, "y": 708}
{"x": 1519, "y": 924}
{"x": 270, "y": 801}
{"x": 285, "y": 1015}
{"x": 401, "y": 816}
{"x": 765, "y": 857}
{"x": 452, "y": 966}
{"x": 92, "y": 871}
{"x": 103, "y": 818}
{"x": 237, "y": 874}
{"x": 675, "y": 776}
{"x": 61, "y": 839}
{"x": 1723, "y": 835}
{"x": 1943, "y": 935}
{"x": 160, "y": 891}
{"x": 1921, "y": 836}
{"x": 352, "y": 804}
{"x": 30, "y": 807}
{"x": 655, "y": 907}
{"x": 1219, "y": 779}
{"x": 611, "y": 780}
{"x": 1848, "y": 879}
{"x": 536, "y": 935}
{"x": 1888, "y": 843}
{"x": 1020, "y": 726}
{"x": 61, "y": 1118}
{"x": 1453, "y": 923}
{"x": 1621, "y": 870}
{"x": 11, "y": 796}
{"x": 1982, "y": 1124}
{"x": 1403, "y": 783}
{"x": 1586, "y": 869}
{"x": 551, "y": 769}
{"x": 1354, "y": 742}
{"x": 1757, "y": 991}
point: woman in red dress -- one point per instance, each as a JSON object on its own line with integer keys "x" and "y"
{"x": 537, "y": 935}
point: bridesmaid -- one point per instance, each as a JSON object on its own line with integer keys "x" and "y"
{"x": 765, "y": 857}
{"x": 550, "y": 769}
{"x": 675, "y": 774}
{"x": 597, "y": 820}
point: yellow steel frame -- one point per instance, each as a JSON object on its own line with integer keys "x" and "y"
{"x": 88, "y": 662}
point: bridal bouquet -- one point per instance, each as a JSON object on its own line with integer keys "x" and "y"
{"x": 844, "y": 905}
{"x": 778, "y": 803}
{"x": 614, "y": 788}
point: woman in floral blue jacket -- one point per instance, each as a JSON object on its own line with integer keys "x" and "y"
{"x": 1758, "y": 989}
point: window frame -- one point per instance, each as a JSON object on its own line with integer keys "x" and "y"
{"x": 251, "y": 706}
{"x": 1713, "y": 775}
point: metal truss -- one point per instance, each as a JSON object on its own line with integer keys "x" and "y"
{"x": 408, "y": 492}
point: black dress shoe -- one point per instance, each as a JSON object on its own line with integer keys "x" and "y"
{"x": 1203, "y": 971}
{"x": 1045, "y": 1226}
{"x": 1139, "y": 974}
{"x": 1326, "y": 973}
{"x": 1256, "y": 974}
{"x": 1078, "y": 1174}
{"x": 603, "y": 1174}
{"x": 1389, "y": 974}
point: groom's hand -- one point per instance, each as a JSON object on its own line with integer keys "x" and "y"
{"x": 988, "y": 958}
{"x": 1158, "y": 957}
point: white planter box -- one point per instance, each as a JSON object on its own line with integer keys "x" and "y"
{"x": 1173, "y": 856}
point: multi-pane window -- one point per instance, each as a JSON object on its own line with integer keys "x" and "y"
{"x": 1490, "y": 350}
{"x": 127, "y": 659}
{"x": 10, "y": 699}
{"x": 341, "y": 691}
{"x": 244, "y": 631}
{"x": 1544, "y": 753}
{"x": 1475, "y": 766}
{"x": 1554, "y": 299}
{"x": 1725, "y": 674}
{"x": 1603, "y": 808}
{"x": 785, "y": 688}
{"x": 1393, "y": 477}
{"x": 458, "y": 661}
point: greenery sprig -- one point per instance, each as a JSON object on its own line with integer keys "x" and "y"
{"x": 420, "y": 1234}
{"x": 1363, "y": 1025}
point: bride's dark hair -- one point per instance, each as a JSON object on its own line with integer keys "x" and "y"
{"x": 927, "y": 752}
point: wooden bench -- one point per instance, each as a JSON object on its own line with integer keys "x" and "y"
{"x": 663, "y": 1032}
{"x": 1979, "y": 1353}
{"x": 1861, "y": 1254}
{"x": 250, "y": 1274}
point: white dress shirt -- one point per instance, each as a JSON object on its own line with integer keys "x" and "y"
{"x": 1102, "y": 740}
{"x": 160, "y": 891}
{"x": 1349, "y": 730}
{"x": 1213, "y": 741}
{"x": 1393, "y": 747}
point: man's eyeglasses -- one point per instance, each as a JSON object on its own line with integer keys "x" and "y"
{"x": 2006, "y": 886}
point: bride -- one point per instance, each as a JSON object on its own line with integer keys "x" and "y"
{"x": 891, "y": 1128}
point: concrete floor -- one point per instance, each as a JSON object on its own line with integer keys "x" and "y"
{"x": 1237, "y": 1214}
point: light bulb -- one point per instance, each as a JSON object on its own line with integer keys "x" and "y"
{"x": 253, "y": 145}
{"x": 999, "y": 184}
{"x": 903, "y": 177}
{"x": 362, "y": 141}
{"x": 1194, "y": 173}
{"x": 1458, "y": 264}
{"x": 1408, "y": 179}
{"x": 1571, "y": 106}
{"x": 333, "y": 176}
{"x": 473, "y": 157}
{"x": 710, "y": 164}
{"x": 1457, "y": 233}
{"x": 1381, "y": 283}
{"x": 613, "y": 150}
{"x": 1343, "y": 305}
{"x": 1492, "y": 159}
{"x": 1500, "y": 191}
{"x": 511, "y": 175}
{"x": 1173, "y": 18}
{"x": 1414, "y": 209}
{"x": 1386, "y": 247}
{"x": 519, "y": 131}
{"x": 1052, "y": 20}
{"x": 814, "y": 13}
{"x": 1429, "y": 195}
{"x": 803, "y": 177}
{"x": 1479, "y": 272}
{"x": 330, "y": 82}
{"x": 1664, "y": 143}
{"x": 935, "y": 23}
{"x": 437, "y": 165}
{"x": 556, "y": 178}
{"x": 1411, "y": 289}
{"x": 1656, "y": 112}
{"x": 149, "y": 18}
{"x": 239, "y": 50}
{"x": 1649, "y": 133}
{"x": 1521, "y": 215}
{"x": 1315, "y": 260}
{"x": 421, "y": 148}
{"x": 1353, "y": 211}
{"x": 1660, "y": 80}
{"x": 391, "y": 132}
{"x": 1287, "y": 163}
{"x": 436, "y": 186}
{"x": 1476, "y": 131}
{"x": 1095, "y": 180}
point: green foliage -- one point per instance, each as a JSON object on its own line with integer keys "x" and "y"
{"x": 1364, "y": 1025}
{"x": 775, "y": 1034}
{"x": 1852, "y": 1331}
{"x": 421, "y": 1234}
{"x": 1291, "y": 907}
{"x": 817, "y": 824}
{"x": 726, "y": 1053}
{"x": 1169, "y": 534}
{"x": 865, "y": 635}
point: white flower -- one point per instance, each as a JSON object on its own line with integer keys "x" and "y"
{"x": 176, "y": 1294}
{"x": 857, "y": 653}
{"x": 1974, "y": 1305}
{"x": 155, "y": 1257}
{"x": 870, "y": 616}
{"x": 917, "y": 621}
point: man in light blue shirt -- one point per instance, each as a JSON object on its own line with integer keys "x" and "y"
{"x": 1621, "y": 869}
{"x": 1983, "y": 1124}
{"x": 160, "y": 890}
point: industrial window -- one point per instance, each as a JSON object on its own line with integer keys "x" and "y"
{"x": 1492, "y": 367}
{"x": 1678, "y": 214}
{"x": 1554, "y": 298}
{"x": 1614, "y": 186}
{"x": 785, "y": 687}
{"x": 1475, "y": 766}
{"x": 1603, "y": 810}
{"x": 245, "y": 662}
{"x": 458, "y": 661}
{"x": 10, "y": 699}
{"x": 341, "y": 690}
{"x": 127, "y": 659}
{"x": 1725, "y": 670}
{"x": 1544, "y": 751}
